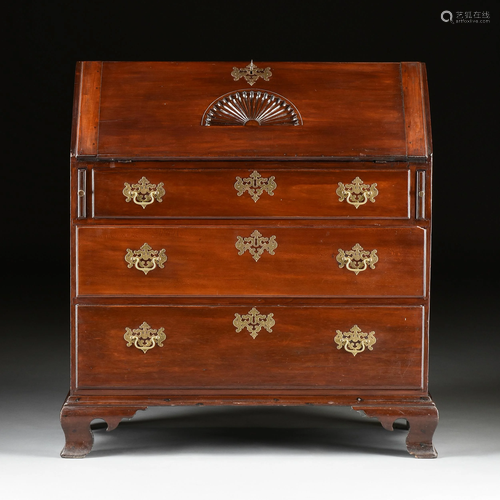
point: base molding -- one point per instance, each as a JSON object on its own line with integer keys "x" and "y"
{"x": 78, "y": 412}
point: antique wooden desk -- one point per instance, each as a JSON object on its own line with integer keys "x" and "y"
{"x": 250, "y": 234}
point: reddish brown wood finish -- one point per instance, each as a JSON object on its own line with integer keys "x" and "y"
{"x": 367, "y": 120}
{"x": 75, "y": 421}
{"x": 415, "y": 127}
{"x": 422, "y": 419}
{"x": 203, "y": 349}
{"x": 155, "y": 109}
{"x": 201, "y": 192}
{"x": 204, "y": 260}
{"x": 78, "y": 412}
{"x": 89, "y": 108}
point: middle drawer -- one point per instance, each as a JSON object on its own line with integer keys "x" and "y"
{"x": 251, "y": 261}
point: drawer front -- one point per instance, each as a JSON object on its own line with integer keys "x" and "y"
{"x": 250, "y": 260}
{"x": 249, "y": 192}
{"x": 202, "y": 347}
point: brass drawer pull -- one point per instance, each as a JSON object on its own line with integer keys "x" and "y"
{"x": 143, "y": 193}
{"x": 144, "y": 337}
{"x": 357, "y": 259}
{"x": 254, "y": 322}
{"x": 255, "y": 184}
{"x": 355, "y": 341}
{"x": 145, "y": 259}
{"x": 256, "y": 244}
{"x": 357, "y": 193}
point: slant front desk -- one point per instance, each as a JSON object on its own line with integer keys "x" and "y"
{"x": 250, "y": 234}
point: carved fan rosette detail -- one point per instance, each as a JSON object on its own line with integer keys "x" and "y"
{"x": 256, "y": 107}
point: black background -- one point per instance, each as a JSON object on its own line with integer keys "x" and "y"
{"x": 45, "y": 39}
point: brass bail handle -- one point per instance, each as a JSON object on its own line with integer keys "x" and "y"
{"x": 143, "y": 193}
{"x": 357, "y": 193}
{"x": 357, "y": 259}
{"x": 145, "y": 259}
{"x": 355, "y": 340}
{"x": 144, "y": 337}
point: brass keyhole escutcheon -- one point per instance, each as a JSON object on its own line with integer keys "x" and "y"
{"x": 255, "y": 185}
{"x": 255, "y": 244}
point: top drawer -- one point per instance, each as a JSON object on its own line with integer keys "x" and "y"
{"x": 249, "y": 191}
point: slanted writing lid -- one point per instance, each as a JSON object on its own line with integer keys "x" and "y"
{"x": 278, "y": 111}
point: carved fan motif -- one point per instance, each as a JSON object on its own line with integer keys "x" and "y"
{"x": 256, "y": 106}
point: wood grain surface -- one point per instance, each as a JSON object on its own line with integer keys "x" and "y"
{"x": 135, "y": 119}
{"x": 89, "y": 108}
{"x": 351, "y": 110}
{"x": 206, "y": 191}
{"x": 202, "y": 348}
{"x": 203, "y": 260}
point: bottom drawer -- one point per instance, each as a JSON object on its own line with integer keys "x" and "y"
{"x": 246, "y": 347}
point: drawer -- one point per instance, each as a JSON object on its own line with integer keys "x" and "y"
{"x": 249, "y": 192}
{"x": 251, "y": 261}
{"x": 202, "y": 347}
